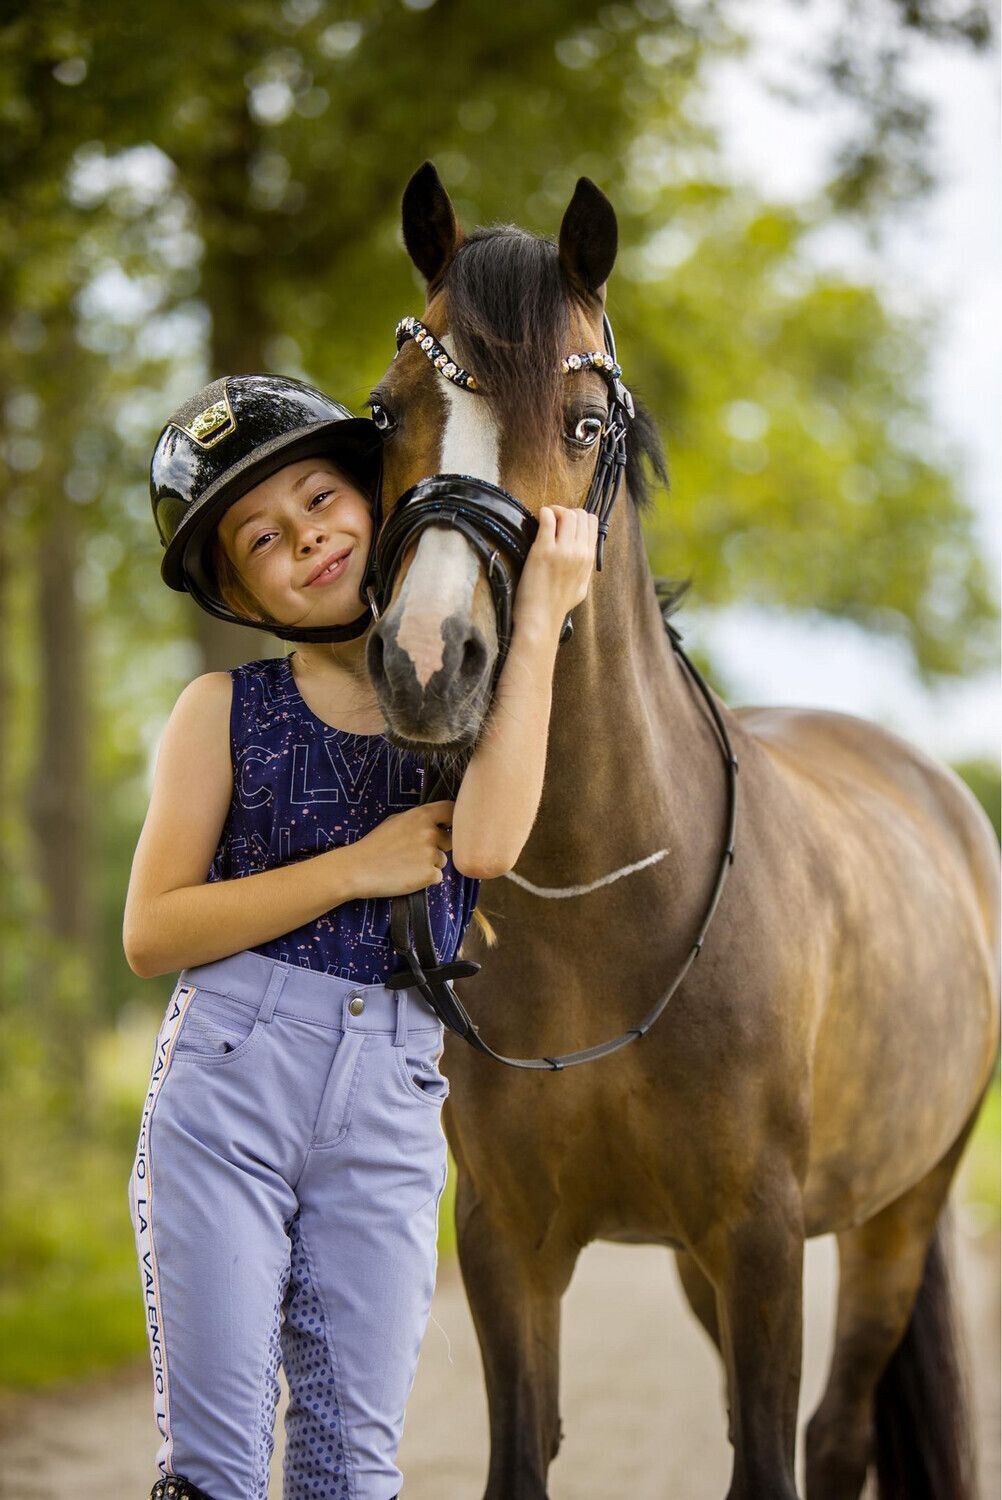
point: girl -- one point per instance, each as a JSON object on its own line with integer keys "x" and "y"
{"x": 291, "y": 1156}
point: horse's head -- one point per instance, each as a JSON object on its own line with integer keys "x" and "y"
{"x": 477, "y": 409}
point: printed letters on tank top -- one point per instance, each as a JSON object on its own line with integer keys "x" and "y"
{"x": 300, "y": 788}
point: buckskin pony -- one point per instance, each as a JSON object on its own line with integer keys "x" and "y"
{"x": 820, "y": 1068}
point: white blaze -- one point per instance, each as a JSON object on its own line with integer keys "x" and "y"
{"x": 471, "y": 442}
{"x": 443, "y": 575}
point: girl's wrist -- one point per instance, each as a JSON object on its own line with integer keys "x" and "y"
{"x": 537, "y": 626}
{"x": 343, "y": 863}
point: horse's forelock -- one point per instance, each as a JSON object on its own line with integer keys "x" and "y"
{"x": 509, "y": 324}
{"x": 508, "y": 315}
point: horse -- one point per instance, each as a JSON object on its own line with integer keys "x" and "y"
{"x": 820, "y": 1068}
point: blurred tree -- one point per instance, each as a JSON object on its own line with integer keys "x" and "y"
{"x": 43, "y": 387}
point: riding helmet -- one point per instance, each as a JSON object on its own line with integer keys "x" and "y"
{"x": 227, "y": 438}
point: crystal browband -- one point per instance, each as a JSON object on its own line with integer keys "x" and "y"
{"x": 412, "y": 328}
{"x": 598, "y": 360}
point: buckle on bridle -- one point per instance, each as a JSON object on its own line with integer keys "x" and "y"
{"x": 624, "y": 397}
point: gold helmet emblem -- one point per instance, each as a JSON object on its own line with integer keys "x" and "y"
{"x": 213, "y": 424}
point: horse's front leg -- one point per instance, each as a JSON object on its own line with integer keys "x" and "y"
{"x": 514, "y": 1290}
{"x": 755, "y": 1262}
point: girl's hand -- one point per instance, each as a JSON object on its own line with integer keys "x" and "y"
{"x": 403, "y": 853}
{"x": 559, "y": 566}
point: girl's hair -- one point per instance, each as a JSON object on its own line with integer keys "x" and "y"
{"x": 231, "y": 587}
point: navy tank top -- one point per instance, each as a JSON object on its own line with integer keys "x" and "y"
{"x": 301, "y": 787}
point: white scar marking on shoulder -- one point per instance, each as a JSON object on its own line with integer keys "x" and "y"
{"x": 556, "y": 892}
{"x": 471, "y": 443}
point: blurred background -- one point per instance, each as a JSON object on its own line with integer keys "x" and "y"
{"x": 808, "y": 295}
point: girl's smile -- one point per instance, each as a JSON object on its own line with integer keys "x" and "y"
{"x": 330, "y": 569}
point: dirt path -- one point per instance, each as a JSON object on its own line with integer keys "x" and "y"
{"x": 641, "y": 1404}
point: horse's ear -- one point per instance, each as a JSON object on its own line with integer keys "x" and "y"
{"x": 431, "y": 231}
{"x": 588, "y": 240}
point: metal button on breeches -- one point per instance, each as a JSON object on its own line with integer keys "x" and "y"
{"x": 356, "y": 1005}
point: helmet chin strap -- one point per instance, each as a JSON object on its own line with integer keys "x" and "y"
{"x": 348, "y": 632}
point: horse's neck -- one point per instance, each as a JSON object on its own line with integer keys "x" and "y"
{"x": 632, "y": 767}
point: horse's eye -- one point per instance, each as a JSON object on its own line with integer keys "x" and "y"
{"x": 587, "y": 431}
{"x": 383, "y": 418}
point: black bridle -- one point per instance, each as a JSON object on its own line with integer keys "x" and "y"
{"x": 501, "y": 532}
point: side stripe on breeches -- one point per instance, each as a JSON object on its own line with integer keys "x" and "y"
{"x": 142, "y": 1188}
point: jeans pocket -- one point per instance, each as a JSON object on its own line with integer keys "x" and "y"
{"x": 417, "y": 1065}
{"x": 215, "y": 1027}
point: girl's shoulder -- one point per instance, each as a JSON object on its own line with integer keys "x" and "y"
{"x": 198, "y": 723}
{"x": 219, "y": 708}
{"x": 204, "y": 691}
{"x": 264, "y": 698}
{"x": 265, "y": 675}
{"x": 262, "y": 666}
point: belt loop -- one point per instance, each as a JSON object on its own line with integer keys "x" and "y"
{"x": 276, "y": 984}
{"x": 400, "y": 1039}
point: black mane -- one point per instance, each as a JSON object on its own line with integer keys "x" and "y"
{"x": 508, "y": 315}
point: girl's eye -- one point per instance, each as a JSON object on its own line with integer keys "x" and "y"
{"x": 586, "y": 431}
{"x": 383, "y": 418}
{"x": 323, "y": 495}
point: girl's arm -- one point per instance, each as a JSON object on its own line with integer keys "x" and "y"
{"x": 499, "y": 796}
{"x": 175, "y": 919}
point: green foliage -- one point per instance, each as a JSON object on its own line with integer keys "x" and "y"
{"x": 800, "y": 473}
{"x": 71, "y": 1300}
{"x": 803, "y": 471}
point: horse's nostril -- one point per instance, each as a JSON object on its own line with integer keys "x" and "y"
{"x": 374, "y": 655}
{"x": 474, "y": 659}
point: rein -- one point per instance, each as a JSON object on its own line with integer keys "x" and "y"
{"x": 501, "y": 531}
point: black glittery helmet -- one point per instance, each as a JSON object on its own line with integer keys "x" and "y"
{"x": 229, "y": 437}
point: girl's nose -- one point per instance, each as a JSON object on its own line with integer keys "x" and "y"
{"x": 314, "y": 537}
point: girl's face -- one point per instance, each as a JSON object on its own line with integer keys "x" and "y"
{"x": 299, "y": 541}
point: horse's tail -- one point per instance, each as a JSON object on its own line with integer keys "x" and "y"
{"x": 924, "y": 1447}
